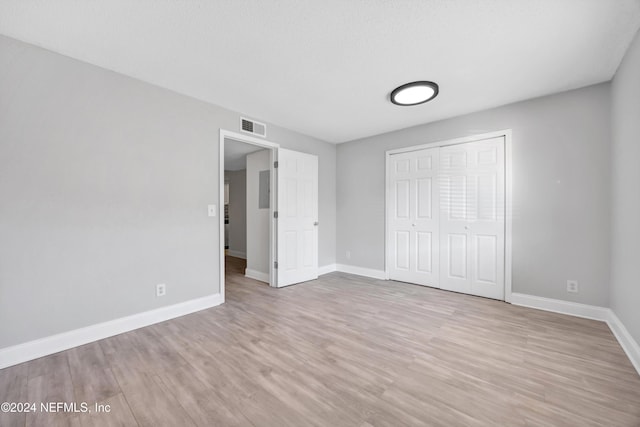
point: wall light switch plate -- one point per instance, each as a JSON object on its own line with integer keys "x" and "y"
{"x": 212, "y": 210}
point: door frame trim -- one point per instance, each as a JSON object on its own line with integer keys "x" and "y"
{"x": 273, "y": 241}
{"x": 508, "y": 190}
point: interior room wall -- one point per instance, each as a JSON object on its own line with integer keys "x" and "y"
{"x": 257, "y": 218}
{"x": 237, "y": 181}
{"x": 625, "y": 197}
{"x": 105, "y": 182}
{"x": 561, "y": 185}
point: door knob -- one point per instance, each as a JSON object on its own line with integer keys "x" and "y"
{"x": 413, "y": 225}
{"x": 315, "y": 223}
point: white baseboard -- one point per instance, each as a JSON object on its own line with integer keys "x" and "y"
{"x": 361, "y": 271}
{"x": 16, "y": 354}
{"x": 559, "y": 306}
{"x": 256, "y": 275}
{"x": 326, "y": 269}
{"x": 236, "y": 254}
{"x": 628, "y": 344}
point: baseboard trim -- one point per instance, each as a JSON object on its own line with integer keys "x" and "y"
{"x": 628, "y": 344}
{"x": 326, "y": 269}
{"x": 361, "y": 271}
{"x": 20, "y": 353}
{"x": 256, "y": 275}
{"x": 560, "y": 306}
{"x": 236, "y": 254}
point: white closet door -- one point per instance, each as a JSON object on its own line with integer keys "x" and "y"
{"x": 413, "y": 212}
{"x": 472, "y": 188}
{"x": 297, "y": 217}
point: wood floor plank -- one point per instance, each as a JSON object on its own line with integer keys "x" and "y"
{"x": 153, "y": 405}
{"x": 118, "y": 415}
{"x": 203, "y": 402}
{"x": 342, "y": 350}
{"x": 13, "y": 388}
{"x": 46, "y": 365}
{"x": 92, "y": 378}
{"x": 52, "y": 385}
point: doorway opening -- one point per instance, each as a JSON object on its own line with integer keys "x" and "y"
{"x": 248, "y": 197}
{"x": 281, "y": 234}
{"x": 246, "y": 210}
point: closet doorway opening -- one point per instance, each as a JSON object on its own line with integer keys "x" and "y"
{"x": 448, "y": 215}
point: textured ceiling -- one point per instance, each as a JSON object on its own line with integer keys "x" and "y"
{"x": 325, "y": 68}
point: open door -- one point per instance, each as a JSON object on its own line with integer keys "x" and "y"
{"x": 297, "y": 222}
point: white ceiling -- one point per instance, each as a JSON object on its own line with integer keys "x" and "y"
{"x": 235, "y": 154}
{"x": 326, "y": 67}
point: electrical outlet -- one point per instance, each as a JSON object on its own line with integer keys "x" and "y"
{"x": 348, "y": 254}
{"x": 572, "y": 286}
{"x": 161, "y": 290}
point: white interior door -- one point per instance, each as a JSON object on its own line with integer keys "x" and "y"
{"x": 297, "y": 221}
{"x": 472, "y": 202}
{"x": 413, "y": 213}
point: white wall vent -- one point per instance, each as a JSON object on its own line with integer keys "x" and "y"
{"x": 253, "y": 127}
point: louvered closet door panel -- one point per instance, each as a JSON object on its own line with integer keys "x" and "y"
{"x": 413, "y": 217}
{"x": 472, "y": 185}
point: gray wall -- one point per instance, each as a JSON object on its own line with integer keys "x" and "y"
{"x": 258, "y": 220}
{"x": 237, "y": 181}
{"x": 104, "y": 186}
{"x": 625, "y": 198}
{"x": 561, "y": 187}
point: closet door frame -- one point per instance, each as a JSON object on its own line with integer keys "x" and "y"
{"x": 506, "y": 134}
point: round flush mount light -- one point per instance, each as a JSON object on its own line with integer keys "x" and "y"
{"x": 414, "y": 93}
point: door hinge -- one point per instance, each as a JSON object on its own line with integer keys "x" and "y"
{"x": 275, "y": 165}
{"x": 275, "y": 264}
{"x": 275, "y": 214}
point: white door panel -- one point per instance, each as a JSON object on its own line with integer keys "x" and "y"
{"x": 472, "y": 186}
{"x": 297, "y": 222}
{"x": 413, "y": 212}
{"x": 486, "y": 251}
{"x": 425, "y": 251}
{"x": 403, "y": 249}
{"x": 457, "y": 254}
{"x": 402, "y": 199}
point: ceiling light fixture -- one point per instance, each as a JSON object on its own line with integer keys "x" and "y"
{"x": 414, "y": 93}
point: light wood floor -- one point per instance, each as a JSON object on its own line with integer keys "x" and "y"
{"x": 341, "y": 351}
